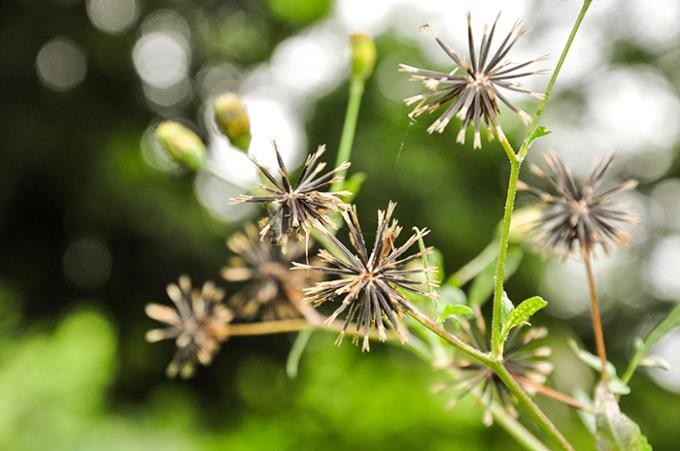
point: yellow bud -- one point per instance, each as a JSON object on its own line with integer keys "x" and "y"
{"x": 232, "y": 120}
{"x": 183, "y": 145}
{"x": 363, "y": 56}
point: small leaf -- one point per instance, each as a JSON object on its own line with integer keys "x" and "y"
{"x": 506, "y": 307}
{"x": 483, "y": 285}
{"x": 353, "y": 185}
{"x": 615, "y": 383}
{"x": 521, "y": 313}
{"x": 455, "y": 310}
{"x": 653, "y": 361}
{"x": 615, "y": 431}
{"x": 539, "y": 132}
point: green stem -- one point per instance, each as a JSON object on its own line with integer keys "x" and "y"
{"x": 356, "y": 90}
{"x": 475, "y": 266}
{"x": 502, "y": 256}
{"x": 476, "y": 354}
{"x": 529, "y": 406}
{"x": 515, "y": 429}
{"x": 541, "y": 106}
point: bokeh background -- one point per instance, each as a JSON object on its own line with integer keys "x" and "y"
{"x": 94, "y": 220}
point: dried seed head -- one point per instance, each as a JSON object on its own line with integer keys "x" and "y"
{"x": 272, "y": 290}
{"x": 526, "y": 362}
{"x": 370, "y": 284}
{"x": 199, "y": 323}
{"x": 574, "y": 214}
{"x": 294, "y": 208}
{"x": 473, "y": 87}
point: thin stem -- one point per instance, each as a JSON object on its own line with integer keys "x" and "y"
{"x": 454, "y": 341}
{"x": 268, "y": 327}
{"x": 356, "y": 90}
{"x": 502, "y": 256}
{"x": 529, "y": 406}
{"x": 548, "y": 90}
{"x": 597, "y": 322}
{"x": 516, "y": 429}
{"x": 426, "y": 264}
{"x": 509, "y": 150}
{"x": 553, "y": 394}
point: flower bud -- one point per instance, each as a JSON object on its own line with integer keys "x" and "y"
{"x": 183, "y": 145}
{"x": 363, "y": 56}
{"x": 232, "y": 120}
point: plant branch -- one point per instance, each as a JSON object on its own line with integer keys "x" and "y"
{"x": 502, "y": 256}
{"x": 529, "y": 406}
{"x": 524, "y": 149}
{"x": 597, "y": 322}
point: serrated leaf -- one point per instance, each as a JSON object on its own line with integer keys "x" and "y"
{"x": 539, "y": 132}
{"x": 454, "y": 310}
{"x": 521, "y": 314}
{"x": 483, "y": 285}
{"x": 615, "y": 431}
{"x": 353, "y": 185}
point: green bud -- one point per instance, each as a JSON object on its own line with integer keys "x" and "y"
{"x": 183, "y": 145}
{"x": 232, "y": 120}
{"x": 363, "y": 56}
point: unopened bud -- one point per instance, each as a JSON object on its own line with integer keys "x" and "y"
{"x": 232, "y": 120}
{"x": 363, "y": 56}
{"x": 183, "y": 145}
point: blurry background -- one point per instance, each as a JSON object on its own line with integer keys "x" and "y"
{"x": 94, "y": 221}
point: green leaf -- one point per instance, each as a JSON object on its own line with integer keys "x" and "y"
{"x": 540, "y": 131}
{"x": 670, "y": 322}
{"x": 454, "y": 310}
{"x": 616, "y": 385}
{"x": 483, "y": 285}
{"x": 353, "y": 184}
{"x": 506, "y": 306}
{"x": 451, "y": 295}
{"x": 615, "y": 431}
{"x": 521, "y": 314}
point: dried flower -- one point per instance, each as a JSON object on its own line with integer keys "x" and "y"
{"x": 370, "y": 285}
{"x": 528, "y": 364}
{"x": 272, "y": 291}
{"x": 199, "y": 323}
{"x": 295, "y": 208}
{"x": 473, "y": 93}
{"x": 574, "y": 214}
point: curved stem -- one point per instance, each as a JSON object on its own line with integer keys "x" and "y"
{"x": 502, "y": 256}
{"x": 548, "y": 90}
{"x": 529, "y": 406}
{"x": 454, "y": 341}
{"x": 356, "y": 90}
{"x": 597, "y": 322}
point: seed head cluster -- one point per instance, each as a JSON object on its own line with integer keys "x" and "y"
{"x": 370, "y": 284}
{"x": 294, "y": 208}
{"x": 199, "y": 323}
{"x": 473, "y": 88}
{"x": 577, "y": 216}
